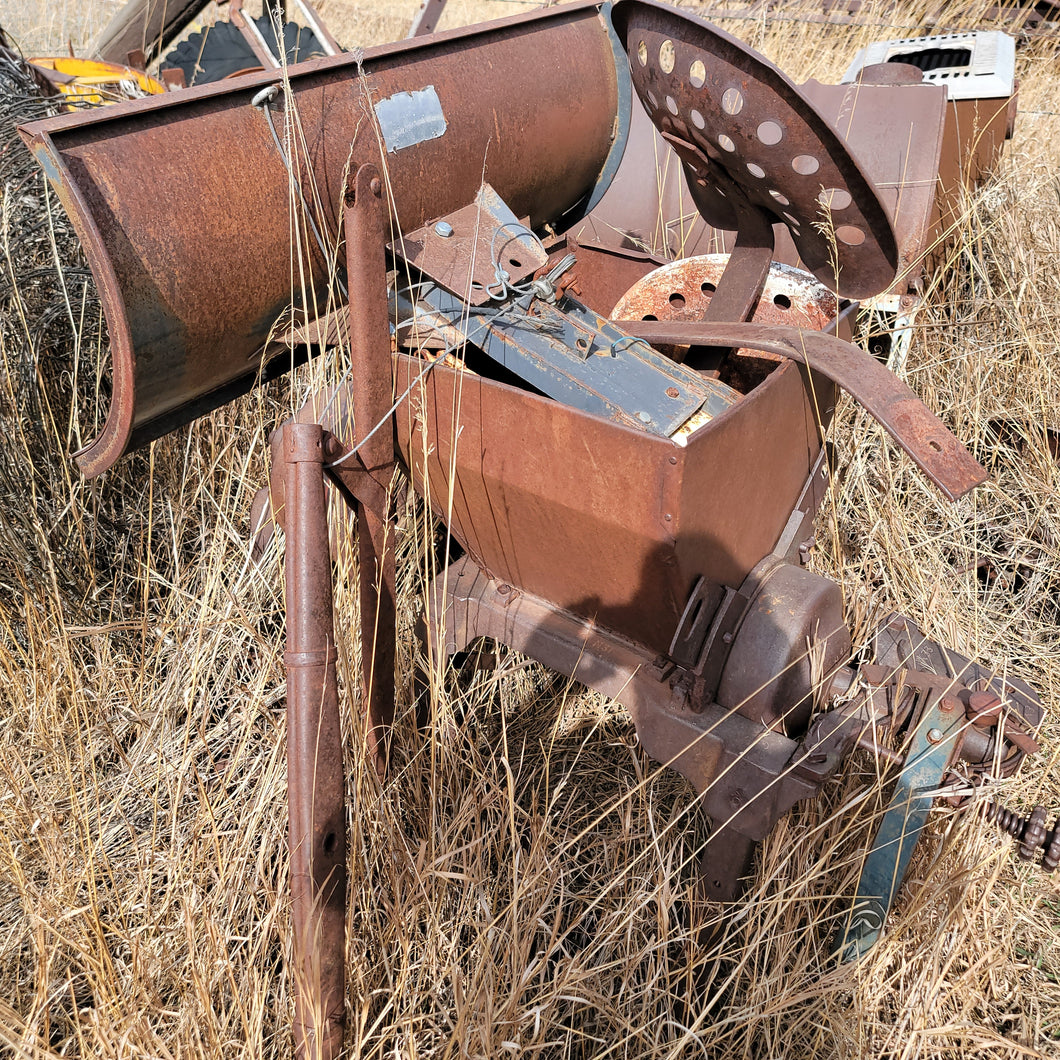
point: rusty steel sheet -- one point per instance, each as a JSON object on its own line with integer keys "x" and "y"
{"x": 750, "y": 140}
{"x": 974, "y": 136}
{"x": 184, "y": 208}
{"x": 642, "y": 518}
{"x": 906, "y": 418}
{"x": 895, "y": 131}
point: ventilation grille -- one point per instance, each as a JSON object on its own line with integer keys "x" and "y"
{"x": 978, "y": 65}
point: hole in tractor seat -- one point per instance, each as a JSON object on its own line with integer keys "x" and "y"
{"x": 726, "y": 143}
{"x": 755, "y": 170}
{"x": 835, "y": 198}
{"x": 732, "y": 101}
{"x": 806, "y": 165}
{"x": 697, "y": 74}
{"x": 652, "y": 100}
{"x": 642, "y": 53}
{"x": 649, "y": 316}
{"x": 677, "y": 300}
{"x": 770, "y": 133}
{"x": 671, "y": 105}
{"x": 697, "y": 119}
{"x": 667, "y": 56}
{"x": 851, "y": 235}
{"x": 707, "y": 287}
{"x": 782, "y": 199}
{"x": 782, "y": 300}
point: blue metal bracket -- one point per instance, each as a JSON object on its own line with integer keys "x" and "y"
{"x": 933, "y": 745}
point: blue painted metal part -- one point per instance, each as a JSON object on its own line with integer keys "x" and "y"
{"x": 574, "y": 356}
{"x": 932, "y": 748}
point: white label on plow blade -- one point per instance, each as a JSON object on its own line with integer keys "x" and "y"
{"x": 409, "y": 118}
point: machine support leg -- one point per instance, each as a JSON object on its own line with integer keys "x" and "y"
{"x": 316, "y": 792}
{"x": 726, "y": 865}
{"x": 366, "y": 224}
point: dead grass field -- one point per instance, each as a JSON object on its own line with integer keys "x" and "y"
{"x": 524, "y": 890}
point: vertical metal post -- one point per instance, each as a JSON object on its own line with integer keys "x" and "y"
{"x": 426, "y": 20}
{"x": 316, "y": 792}
{"x": 366, "y": 226}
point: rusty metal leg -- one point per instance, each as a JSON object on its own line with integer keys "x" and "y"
{"x": 726, "y": 865}
{"x": 315, "y": 789}
{"x": 366, "y": 223}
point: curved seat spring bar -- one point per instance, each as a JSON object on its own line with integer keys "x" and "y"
{"x": 883, "y": 395}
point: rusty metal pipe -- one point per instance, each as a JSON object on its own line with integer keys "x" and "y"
{"x": 366, "y": 237}
{"x": 315, "y": 787}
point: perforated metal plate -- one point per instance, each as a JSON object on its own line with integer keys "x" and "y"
{"x": 743, "y": 130}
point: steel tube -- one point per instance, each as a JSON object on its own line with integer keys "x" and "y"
{"x": 366, "y": 229}
{"x": 315, "y": 788}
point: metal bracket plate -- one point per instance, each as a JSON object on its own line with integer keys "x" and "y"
{"x": 467, "y": 250}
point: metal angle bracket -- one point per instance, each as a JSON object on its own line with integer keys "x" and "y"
{"x": 475, "y": 250}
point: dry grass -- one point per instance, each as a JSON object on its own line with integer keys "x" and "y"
{"x": 522, "y": 888}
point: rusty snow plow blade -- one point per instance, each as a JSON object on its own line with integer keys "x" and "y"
{"x": 184, "y": 208}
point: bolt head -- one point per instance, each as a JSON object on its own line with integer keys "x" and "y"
{"x": 935, "y": 735}
{"x": 443, "y": 229}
